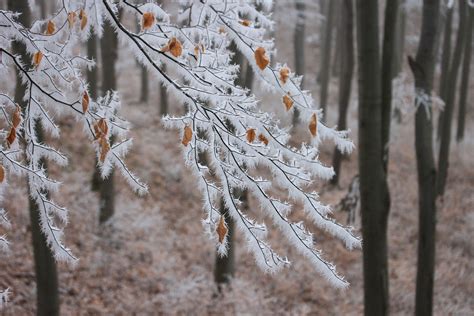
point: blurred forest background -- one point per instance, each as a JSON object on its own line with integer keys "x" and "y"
{"x": 149, "y": 255}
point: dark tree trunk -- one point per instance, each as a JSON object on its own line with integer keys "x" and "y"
{"x": 373, "y": 186}
{"x": 326, "y": 57}
{"x": 47, "y": 295}
{"x": 443, "y": 160}
{"x": 338, "y": 51}
{"x": 400, "y": 39}
{"x": 109, "y": 48}
{"x": 163, "y": 98}
{"x": 389, "y": 42}
{"x": 465, "y": 77}
{"x": 423, "y": 69}
{"x": 445, "y": 62}
{"x": 299, "y": 48}
{"x": 144, "y": 84}
{"x": 225, "y": 266}
{"x": 345, "y": 78}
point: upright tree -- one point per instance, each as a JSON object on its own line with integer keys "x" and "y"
{"x": 47, "y": 294}
{"x": 423, "y": 69}
{"x": 443, "y": 159}
{"x": 466, "y": 66}
{"x": 345, "y": 78}
{"x": 299, "y": 39}
{"x": 326, "y": 46}
{"x": 373, "y": 186}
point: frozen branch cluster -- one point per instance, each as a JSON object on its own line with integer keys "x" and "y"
{"x": 54, "y": 88}
{"x": 229, "y": 143}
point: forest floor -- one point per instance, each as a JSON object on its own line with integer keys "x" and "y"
{"x": 154, "y": 258}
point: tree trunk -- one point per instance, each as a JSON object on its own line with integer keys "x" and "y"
{"x": 465, "y": 77}
{"x": 326, "y": 57}
{"x": 400, "y": 39}
{"x": 338, "y": 51}
{"x": 225, "y": 266}
{"x": 423, "y": 70}
{"x": 445, "y": 62}
{"x": 345, "y": 78}
{"x": 163, "y": 98}
{"x": 144, "y": 84}
{"x": 389, "y": 42}
{"x": 373, "y": 186}
{"x": 47, "y": 295}
{"x": 109, "y": 48}
{"x": 299, "y": 48}
{"x": 443, "y": 160}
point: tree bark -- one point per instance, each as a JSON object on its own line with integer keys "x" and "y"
{"x": 389, "y": 41}
{"x": 400, "y": 39}
{"x": 445, "y": 62}
{"x": 144, "y": 84}
{"x": 465, "y": 77}
{"x": 443, "y": 160}
{"x": 163, "y": 98}
{"x": 423, "y": 70}
{"x": 225, "y": 266}
{"x": 109, "y": 48}
{"x": 345, "y": 78}
{"x": 47, "y": 295}
{"x": 326, "y": 57}
{"x": 338, "y": 51}
{"x": 299, "y": 48}
{"x": 373, "y": 186}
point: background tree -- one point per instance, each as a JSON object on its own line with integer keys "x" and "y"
{"x": 47, "y": 294}
{"x": 423, "y": 68}
{"x": 299, "y": 46}
{"x": 326, "y": 46}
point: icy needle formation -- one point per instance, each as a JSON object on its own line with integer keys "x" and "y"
{"x": 243, "y": 146}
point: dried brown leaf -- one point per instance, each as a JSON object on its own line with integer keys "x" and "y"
{"x": 104, "y": 148}
{"x": 313, "y": 125}
{"x": 148, "y": 20}
{"x": 175, "y": 46}
{"x": 71, "y": 19}
{"x": 245, "y": 22}
{"x": 251, "y": 135}
{"x": 11, "y": 136}
{"x": 284, "y": 74}
{"x": 50, "y": 28}
{"x": 37, "y": 57}
{"x": 187, "y": 136}
{"x": 261, "y": 58}
{"x": 288, "y": 102}
{"x": 263, "y": 139}
{"x": 102, "y": 126}
{"x": 85, "y": 102}
{"x": 221, "y": 229}
{"x": 16, "y": 119}
{"x": 2, "y": 174}
{"x": 83, "y": 18}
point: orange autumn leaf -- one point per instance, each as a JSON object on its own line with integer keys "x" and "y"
{"x": 102, "y": 125}
{"x": 261, "y": 58}
{"x": 284, "y": 74}
{"x": 37, "y": 57}
{"x": 16, "y": 119}
{"x": 288, "y": 102}
{"x": 148, "y": 20}
{"x": 105, "y": 148}
{"x": 263, "y": 139}
{"x": 251, "y": 135}
{"x": 245, "y": 22}
{"x": 11, "y": 136}
{"x": 175, "y": 47}
{"x": 313, "y": 125}
{"x": 2, "y": 173}
{"x": 50, "y": 28}
{"x": 187, "y": 136}
{"x": 71, "y": 18}
{"x": 85, "y": 102}
{"x": 221, "y": 229}
{"x": 83, "y": 18}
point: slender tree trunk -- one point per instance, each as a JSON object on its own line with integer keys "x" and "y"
{"x": 373, "y": 186}
{"x": 144, "y": 84}
{"x": 163, "y": 98}
{"x": 326, "y": 57}
{"x": 109, "y": 50}
{"x": 389, "y": 42}
{"x": 47, "y": 295}
{"x": 338, "y": 51}
{"x": 465, "y": 77}
{"x": 299, "y": 48}
{"x": 345, "y": 78}
{"x": 225, "y": 266}
{"x": 443, "y": 160}
{"x": 400, "y": 39}
{"x": 445, "y": 62}
{"x": 423, "y": 70}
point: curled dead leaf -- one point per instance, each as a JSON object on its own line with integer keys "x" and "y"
{"x": 104, "y": 148}
{"x": 148, "y": 20}
{"x": 221, "y": 229}
{"x": 313, "y": 125}
{"x": 263, "y": 139}
{"x": 187, "y": 136}
{"x": 103, "y": 127}
{"x": 251, "y": 135}
{"x": 11, "y": 136}
{"x": 261, "y": 58}
{"x": 284, "y": 74}
{"x": 287, "y": 101}
{"x": 85, "y": 102}
{"x": 83, "y": 18}
{"x": 37, "y": 57}
{"x": 50, "y": 28}
{"x": 2, "y": 174}
{"x": 222, "y": 30}
{"x": 175, "y": 47}
{"x": 71, "y": 19}
{"x": 16, "y": 119}
{"x": 245, "y": 22}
